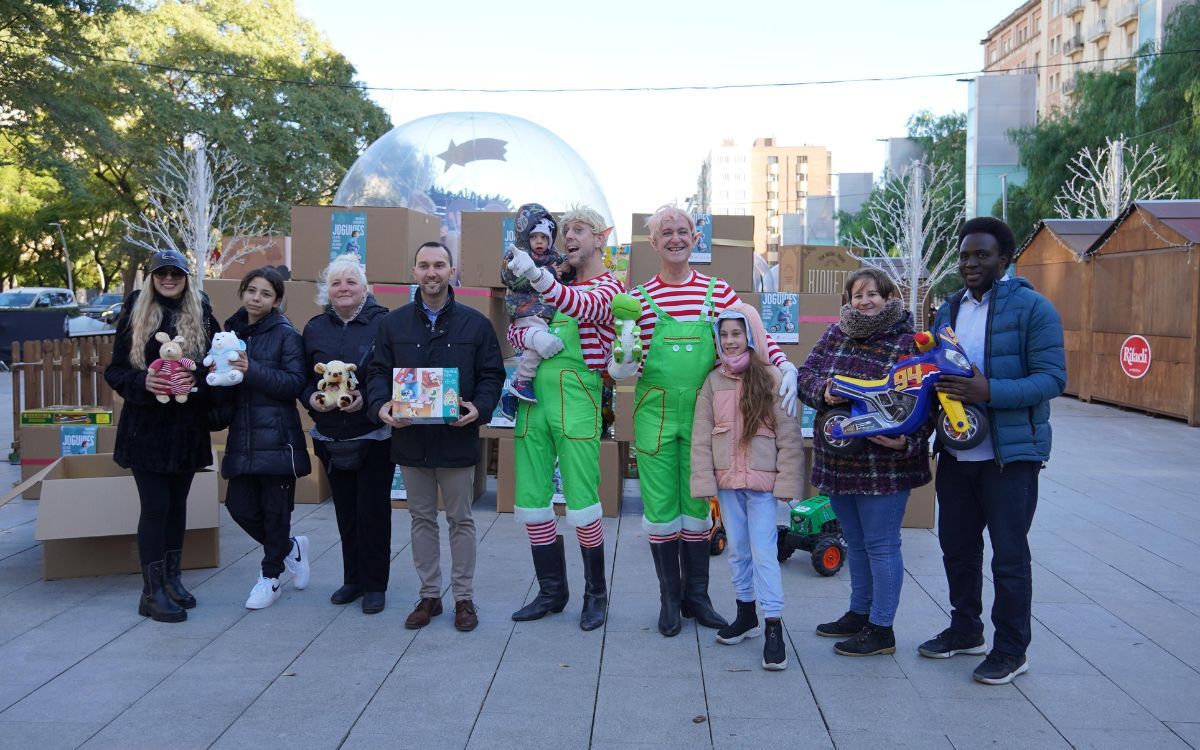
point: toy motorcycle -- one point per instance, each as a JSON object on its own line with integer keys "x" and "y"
{"x": 899, "y": 403}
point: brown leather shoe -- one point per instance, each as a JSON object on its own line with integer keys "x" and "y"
{"x": 464, "y": 615}
{"x": 426, "y": 610}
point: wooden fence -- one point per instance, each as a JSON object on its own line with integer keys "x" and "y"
{"x": 64, "y": 371}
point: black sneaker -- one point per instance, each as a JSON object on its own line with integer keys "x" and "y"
{"x": 774, "y": 649}
{"x": 1000, "y": 669}
{"x": 845, "y": 626}
{"x": 871, "y": 640}
{"x": 950, "y": 642}
{"x": 743, "y": 627}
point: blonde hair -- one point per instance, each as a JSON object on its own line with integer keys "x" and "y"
{"x": 655, "y": 222}
{"x": 339, "y": 266}
{"x": 147, "y": 316}
{"x": 587, "y": 215}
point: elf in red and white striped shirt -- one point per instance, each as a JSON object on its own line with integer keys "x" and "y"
{"x": 564, "y": 422}
{"x": 679, "y": 306}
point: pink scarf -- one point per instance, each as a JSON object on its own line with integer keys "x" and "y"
{"x": 737, "y": 364}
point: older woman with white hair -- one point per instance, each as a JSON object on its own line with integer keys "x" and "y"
{"x": 355, "y": 451}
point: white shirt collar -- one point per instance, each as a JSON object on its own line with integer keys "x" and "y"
{"x": 967, "y": 297}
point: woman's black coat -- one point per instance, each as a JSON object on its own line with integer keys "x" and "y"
{"x": 326, "y": 338}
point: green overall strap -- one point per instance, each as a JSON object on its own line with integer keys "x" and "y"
{"x": 662, "y": 314}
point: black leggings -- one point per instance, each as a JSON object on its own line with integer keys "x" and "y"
{"x": 164, "y": 512}
{"x": 262, "y": 505}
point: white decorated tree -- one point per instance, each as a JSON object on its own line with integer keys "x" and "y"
{"x": 910, "y": 230}
{"x": 1104, "y": 182}
{"x": 197, "y": 196}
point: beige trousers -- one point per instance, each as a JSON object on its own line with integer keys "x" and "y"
{"x": 458, "y": 489}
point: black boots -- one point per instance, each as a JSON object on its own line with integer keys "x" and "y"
{"x": 155, "y": 603}
{"x": 695, "y": 585}
{"x": 774, "y": 649}
{"x": 173, "y": 583}
{"x": 666, "y": 565}
{"x": 745, "y": 626}
{"x": 595, "y": 593}
{"x": 550, "y": 565}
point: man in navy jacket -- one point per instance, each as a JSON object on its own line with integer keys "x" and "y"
{"x": 435, "y": 331}
{"x": 1014, "y": 338}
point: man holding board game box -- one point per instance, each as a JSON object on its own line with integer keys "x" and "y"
{"x": 421, "y": 349}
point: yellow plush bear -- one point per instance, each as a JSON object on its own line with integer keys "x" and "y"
{"x": 337, "y": 380}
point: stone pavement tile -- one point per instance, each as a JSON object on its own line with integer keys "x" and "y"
{"x": 1169, "y": 625}
{"x": 525, "y": 728}
{"x": 1123, "y": 739}
{"x": 779, "y": 730}
{"x": 420, "y": 732}
{"x": 651, "y": 709}
{"x": 940, "y": 679}
{"x": 1188, "y": 731}
{"x": 1091, "y": 621}
{"x": 873, "y": 739}
{"x": 1156, "y": 679}
{"x": 869, "y": 703}
{"x": 1049, "y": 588}
{"x": 96, "y": 689}
{"x": 200, "y": 709}
{"x": 982, "y": 721}
{"x": 1082, "y": 702}
{"x": 641, "y": 654}
{"x": 45, "y": 735}
{"x": 519, "y": 685}
{"x": 738, "y": 686}
{"x": 632, "y": 611}
{"x": 1049, "y": 654}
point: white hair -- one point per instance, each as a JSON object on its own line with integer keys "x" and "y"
{"x": 340, "y": 266}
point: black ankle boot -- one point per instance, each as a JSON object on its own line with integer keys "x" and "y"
{"x": 595, "y": 593}
{"x": 696, "y": 603}
{"x": 870, "y": 641}
{"x": 550, "y": 565}
{"x": 670, "y": 593}
{"x": 745, "y": 626}
{"x": 173, "y": 581}
{"x": 774, "y": 649}
{"x": 155, "y": 603}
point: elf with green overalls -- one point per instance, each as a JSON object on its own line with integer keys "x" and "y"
{"x": 678, "y": 307}
{"x": 564, "y": 422}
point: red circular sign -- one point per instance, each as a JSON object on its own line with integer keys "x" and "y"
{"x": 1135, "y": 356}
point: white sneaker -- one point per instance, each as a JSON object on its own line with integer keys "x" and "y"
{"x": 297, "y": 562}
{"x": 264, "y": 593}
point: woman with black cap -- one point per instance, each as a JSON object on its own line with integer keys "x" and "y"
{"x": 162, "y": 443}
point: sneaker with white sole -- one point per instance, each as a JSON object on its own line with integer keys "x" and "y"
{"x": 1000, "y": 669}
{"x": 264, "y": 594}
{"x": 297, "y": 562}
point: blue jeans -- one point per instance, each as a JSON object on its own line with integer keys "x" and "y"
{"x": 750, "y": 531}
{"x": 871, "y": 526}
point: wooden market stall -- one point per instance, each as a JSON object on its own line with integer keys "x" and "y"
{"x": 1056, "y": 261}
{"x": 1145, "y": 310}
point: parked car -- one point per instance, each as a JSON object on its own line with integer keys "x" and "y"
{"x": 39, "y": 298}
{"x": 110, "y": 315}
{"x": 101, "y": 308}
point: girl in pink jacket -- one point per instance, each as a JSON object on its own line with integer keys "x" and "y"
{"x": 746, "y": 450}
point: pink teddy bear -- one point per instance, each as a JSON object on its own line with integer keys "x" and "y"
{"x": 171, "y": 364}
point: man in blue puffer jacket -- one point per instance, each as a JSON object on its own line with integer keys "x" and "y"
{"x": 1014, "y": 338}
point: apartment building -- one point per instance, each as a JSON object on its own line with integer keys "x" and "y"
{"x": 764, "y": 180}
{"x": 1054, "y": 40}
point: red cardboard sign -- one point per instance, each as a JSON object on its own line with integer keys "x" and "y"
{"x": 1135, "y": 356}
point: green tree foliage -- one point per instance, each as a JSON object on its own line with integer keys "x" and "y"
{"x": 118, "y": 83}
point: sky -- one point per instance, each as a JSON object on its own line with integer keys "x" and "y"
{"x": 646, "y": 147}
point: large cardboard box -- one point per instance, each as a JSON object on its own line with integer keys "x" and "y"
{"x": 816, "y": 269}
{"x": 223, "y": 296}
{"x": 481, "y": 247}
{"x": 299, "y": 300}
{"x": 732, "y": 252}
{"x": 42, "y": 445}
{"x": 614, "y": 464}
{"x": 391, "y": 240}
{"x": 921, "y": 511}
{"x": 88, "y": 516}
{"x": 240, "y": 255}
{"x": 623, "y": 397}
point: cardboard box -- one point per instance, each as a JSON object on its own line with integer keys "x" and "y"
{"x": 614, "y": 464}
{"x": 921, "y": 511}
{"x": 240, "y": 255}
{"x": 42, "y": 445}
{"x": 223, "y": 296}
{"x": 88, "y": 516}
{"x": 425, "y": 395}
{"x": 816, "y": 269}
{"x": 389, "y": 240}
{"x": 299, "y": 300}
{"x": 485, "y": 235}
{"x": 623, "y": 398}
{"x": 66, "y": 414}
{"x": 732, "y": 252}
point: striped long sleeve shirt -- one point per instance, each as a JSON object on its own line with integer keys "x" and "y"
{"x": 589, "y": 303}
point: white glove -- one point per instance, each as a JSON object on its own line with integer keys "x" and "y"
{"x": 622, "y": 370}
{"x": 788, "y": 388}
{"x": 521, "y": 264}
{"x": 545, "y": 343}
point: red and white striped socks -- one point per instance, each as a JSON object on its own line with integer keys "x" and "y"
{"x": 694, "y": 536}
{"x": 542, "y": 534}
{"x": 591, "y": 535}
{"x": 661, "y": 538}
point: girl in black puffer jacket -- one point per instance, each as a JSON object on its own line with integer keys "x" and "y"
{"x": 266, "y": 451}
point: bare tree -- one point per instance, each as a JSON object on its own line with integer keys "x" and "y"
{"x": 910, "y": 230}
{"x": 197, "y": 195}
{"x": 1103, "y": 183}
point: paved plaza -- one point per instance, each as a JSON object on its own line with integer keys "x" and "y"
{"x": 1115, "y": 660}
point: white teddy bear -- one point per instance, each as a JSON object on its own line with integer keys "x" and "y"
{"x": 225, "y": 348}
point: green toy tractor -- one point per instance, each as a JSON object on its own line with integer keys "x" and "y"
{"x": 815, "y": 529}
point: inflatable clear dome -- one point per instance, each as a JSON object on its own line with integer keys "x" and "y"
{"x": 453, "y": 162}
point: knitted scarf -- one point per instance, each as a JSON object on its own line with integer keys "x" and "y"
{"x": 856, "y": 325}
